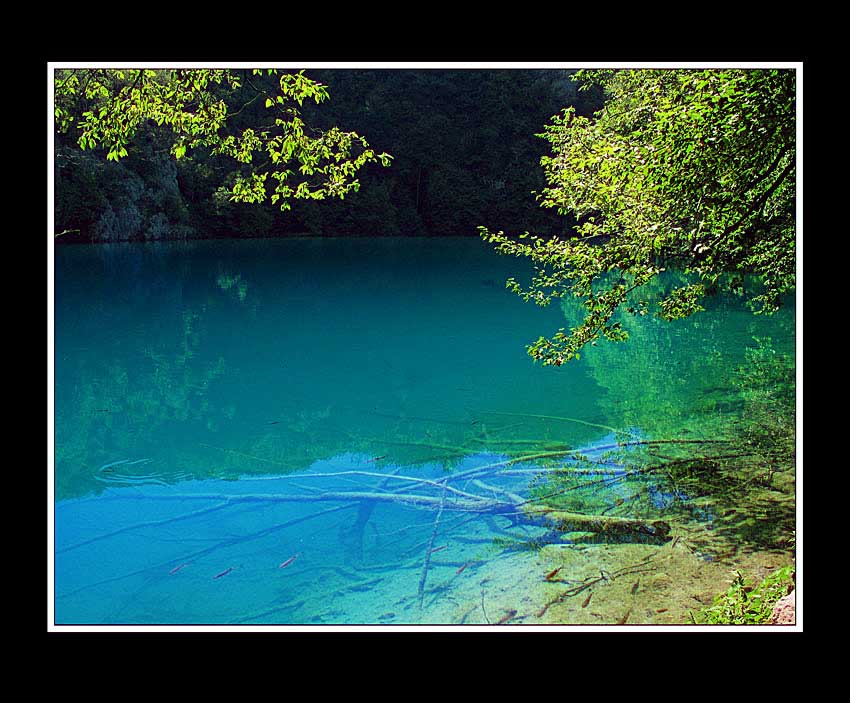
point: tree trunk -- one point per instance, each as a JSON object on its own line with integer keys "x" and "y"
{"x": 565, "y": 521}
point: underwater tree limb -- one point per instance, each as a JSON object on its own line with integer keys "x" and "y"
{"x": 364, "y": 513}
{"x": 508, "y": 462}
{"x": 498, "y": 491}
{"x": 228, "y": 542}
{"x": 565, "y": 521}
{"x": 430, "y": 547}
{"x": 468, "y": 505}
{"x": 138, "y": 526}
{"x": 387, "y": 477}
{"x": 556, "y": 417}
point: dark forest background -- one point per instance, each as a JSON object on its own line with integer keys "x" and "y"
{"x": 465, "y": 154}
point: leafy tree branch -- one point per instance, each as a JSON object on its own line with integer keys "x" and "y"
{"x": 688, "y": 168}
{"x": 106, "y": 108}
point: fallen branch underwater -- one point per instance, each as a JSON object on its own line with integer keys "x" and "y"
{"x": 566, "y": 521}
{"x": 480, "y": 505}
{"x": 498, "y": 501}
{"x": 193, "y": 556}
{"x": 563, "y": 520}
{"x": 430, "y": 548}
{"x": 472, "y": 496}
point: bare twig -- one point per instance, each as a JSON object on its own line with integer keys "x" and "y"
{"x": 483, "y": 609}
{"x": 428, "y": 550}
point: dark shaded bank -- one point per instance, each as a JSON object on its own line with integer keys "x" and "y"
{"x": 464, "y": 147}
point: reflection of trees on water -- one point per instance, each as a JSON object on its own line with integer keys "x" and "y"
{"x": 169, "y": 374}
{"x": 134, "y": 364}
{"x": 670, "y": 373}
{"x": 127, "y": 403}
{"x": 726, "y": 379}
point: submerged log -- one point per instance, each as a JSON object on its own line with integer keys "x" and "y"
{"x": 562, "y": 520}
{"x": 477, "y": 505}
{"x": 565, "y": 521}
{"x": 502, "y": 502}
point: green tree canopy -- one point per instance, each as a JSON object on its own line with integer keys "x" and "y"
{"x": 693, "y": 169}
{"x": 279, "y": 160}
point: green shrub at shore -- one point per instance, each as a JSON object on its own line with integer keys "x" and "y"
{"x": 744, "y": 604}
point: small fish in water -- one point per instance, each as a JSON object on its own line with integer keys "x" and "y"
{"x": 376, "y": 458}
{"x": 587, "y": 600}
{"x": 509, "y": 615}
{"x": 386, "y": 616}
{"x": 223, "y": 573}
{"x": 460, "y": 570}
{"x": 178, "y": 568}
{"x": 635, "y": 587}
{"x": 275, "y": 422}
{"x": 288, "y": 561}
{"x": 439, "y": 549}
{"x": 553, "y": 573}
{"x": 622, "y": 620}
{"x": 542, "y": 611}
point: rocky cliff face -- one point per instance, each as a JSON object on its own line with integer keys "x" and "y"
{"x": 137, "y": 198}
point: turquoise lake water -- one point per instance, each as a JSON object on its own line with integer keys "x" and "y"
{"x": 340, "y": 431}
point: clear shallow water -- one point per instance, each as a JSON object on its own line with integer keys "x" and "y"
{"x": 222, "y": 407}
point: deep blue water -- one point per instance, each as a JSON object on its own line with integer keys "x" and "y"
{"x": 222, "y": 407}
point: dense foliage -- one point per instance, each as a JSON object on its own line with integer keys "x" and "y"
{"x": 462, "y": 142}
{"x": 746, "y": 603}
{"x": 278, "y": 157}
{"x": 692, "y": 169}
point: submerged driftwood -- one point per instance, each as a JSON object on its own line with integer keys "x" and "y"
{"x": 430, "y": 548}
{"x": 561, "y": 519}
{"x": 566, "y": 521}
{"x": 419, "y": 492}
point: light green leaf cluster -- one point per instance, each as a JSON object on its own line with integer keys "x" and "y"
{"x": 119, "y": 102}
{"x": 687, "y": 168}
{"x": 107, "y": 108}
